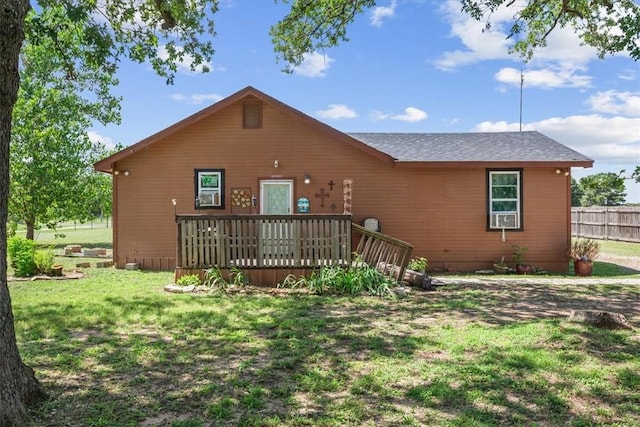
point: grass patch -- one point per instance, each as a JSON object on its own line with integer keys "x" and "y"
{"x": 613, "y": 247}
{"x": 114, "y": 349}
{"x": 608, "y": 269}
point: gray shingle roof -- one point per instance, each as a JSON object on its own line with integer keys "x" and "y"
{"x": 470, "y": 147}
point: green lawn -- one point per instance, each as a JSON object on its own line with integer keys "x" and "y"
{"x": 113, "y": 349}
{"x": 620, "y": 248}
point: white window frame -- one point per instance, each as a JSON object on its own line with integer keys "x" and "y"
{"x": 209, "y": 196}
{"x": 507, "y": 220}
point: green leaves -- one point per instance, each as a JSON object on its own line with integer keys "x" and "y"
{"x": 609, "y": 26}
{"x": 313, "y": 25}
{"x": 602, "y": 189}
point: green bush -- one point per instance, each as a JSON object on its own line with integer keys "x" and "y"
{"x": 189, "y": 280}
{"x": 12, "y": 228}
{"x": 43, "y": 260}
{"x": 419, "y": 264}
{"x": 21, "y": 253}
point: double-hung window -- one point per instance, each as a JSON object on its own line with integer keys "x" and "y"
{"x": 505, "y": 199}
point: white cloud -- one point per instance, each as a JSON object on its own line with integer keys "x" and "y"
{"x": 546, "y": 78}
{"x": 479, "y": 45}
{"x": 564, "y": 46}
{"x": 314, "y": 65}
{"x": 185, "y": 64}
{"x": 628, "y": 74}
{"x": 379, "y": 115}
{"x": 336, "y": 112}
{"x": 196, "y": 98}
{"x": 381, "y": 12}
{"x": 411, "y": 114}
{"x": 607, "y": 139}
{"x": 614, "y": 102}
{"x": 613, "y": 143}
{"x": 95, "y": 137}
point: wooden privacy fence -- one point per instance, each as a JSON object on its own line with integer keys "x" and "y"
{"x": 294, "y": 244}
{"x": 606, "y": 222}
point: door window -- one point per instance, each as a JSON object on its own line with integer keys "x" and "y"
{"x": 276, "y": 197}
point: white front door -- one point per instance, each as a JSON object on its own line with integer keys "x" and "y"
{"x": 276, "y": 197}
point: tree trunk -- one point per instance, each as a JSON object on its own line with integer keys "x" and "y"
{"x": 30, "y": 229}
{"x": 18, "y": 384}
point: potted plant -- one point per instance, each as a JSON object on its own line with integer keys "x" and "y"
{"x": 500, "y": 267}
{"x": 583, "y": 252}
{"x": 419, "y": 266}
{"x": 518, "y": 257}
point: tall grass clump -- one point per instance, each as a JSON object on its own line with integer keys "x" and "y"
{"x": 214, "y": 279}
{"x": 355, "y": 280}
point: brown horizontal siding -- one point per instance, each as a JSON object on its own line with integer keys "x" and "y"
{"x": 149, "y": 263}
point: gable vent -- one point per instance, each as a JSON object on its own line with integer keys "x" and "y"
{"x": 252, "y": 116}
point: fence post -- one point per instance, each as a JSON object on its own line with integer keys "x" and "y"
{"x": 606, "y": 223}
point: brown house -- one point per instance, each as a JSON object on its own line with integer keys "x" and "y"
{"x": 461, "y": 199}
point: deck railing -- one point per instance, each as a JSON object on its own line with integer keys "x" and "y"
{"x": 388, "y": 254}
{"x": 289, "y": 242}
{"x": 263, "y": 241}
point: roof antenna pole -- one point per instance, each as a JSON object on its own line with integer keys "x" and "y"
{"x": 521, "y": 84}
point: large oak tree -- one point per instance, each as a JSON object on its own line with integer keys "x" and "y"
{"x": 165, "y": 32}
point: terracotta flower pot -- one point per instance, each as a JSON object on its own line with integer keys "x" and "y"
{"x": 583, "y": 268}
{"x": 523, "y": 269}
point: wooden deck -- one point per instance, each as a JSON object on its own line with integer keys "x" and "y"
{"x": 268, "y": 248}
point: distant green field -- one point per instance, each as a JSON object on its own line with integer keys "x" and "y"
{"x": 90, "y": 236}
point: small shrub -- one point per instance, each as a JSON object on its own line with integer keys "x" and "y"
{"x": 419, "y": 264}
{"x": 518, "y": 254}
{"x": 43, "y": 260}
{"x": 189, "y": 280}
{"x": 21, "y": 253}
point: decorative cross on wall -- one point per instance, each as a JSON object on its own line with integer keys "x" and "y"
{"x": 322, "y": 195}
{"x": 331, "y": 184}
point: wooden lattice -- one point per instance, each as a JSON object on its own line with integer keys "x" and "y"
{"x": 346, "y": 194}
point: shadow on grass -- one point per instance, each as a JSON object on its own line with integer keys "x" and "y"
{"x": 609, "y": 269}
{"x": 304, "y": 360}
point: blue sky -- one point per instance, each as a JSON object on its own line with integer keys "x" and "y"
{"x": 410, "y": 66}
